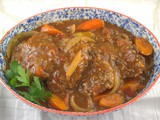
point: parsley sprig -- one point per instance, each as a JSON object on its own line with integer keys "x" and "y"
{"x": 20, "y": 78}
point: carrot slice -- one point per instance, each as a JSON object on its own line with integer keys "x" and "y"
{"x": 98, "y": 97}
{"x": 39, "y": 71}
{"x": 57, "y": 102}
{"x": 111, "y": 100}
{"x": 74, "y": 64}
{"x": 91, "y": 25}
{"x": 144, "y": 46}
{"x": 130, "y": 87}
{"x": 134, "y": 83}
{"x": 50, "y": 30}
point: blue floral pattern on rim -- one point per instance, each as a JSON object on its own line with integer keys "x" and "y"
{"x": 83, "y": 13}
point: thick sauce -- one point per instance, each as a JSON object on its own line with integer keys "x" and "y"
{"x": 108, "y": 58}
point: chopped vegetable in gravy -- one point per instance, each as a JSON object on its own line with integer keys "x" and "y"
{"x": 79, "y": 65}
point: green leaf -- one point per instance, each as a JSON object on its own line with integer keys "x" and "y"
{"x": 39, "y": 94}
{"x": 25, "y": 94}
{"x": 14, "y": 67}
{"x": 13, "y": 82}
{"x": 29, "y": 97}
{"x": 21, "y": 78}
{"x": 47, "y": 94}
{"x": 21, "y": 72}
{"x": 37, "y": 82}
{"x": 21, "y": 85}
{"x": 9, "y": 74}
{"x": 34, "y": 90}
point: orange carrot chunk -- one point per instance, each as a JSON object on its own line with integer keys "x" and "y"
{"x": 91, "y": 25}
{"x": 98, "y": 97}
{"x": 130, "y": 88}
{"x": 78, "y": 58}
{"x": 57, "y": 102}
{"x": 111, "y": 100}
{"x": 50, "y": 30}
{"x": 144, "y": 46}
{"x": 39, "y": 71}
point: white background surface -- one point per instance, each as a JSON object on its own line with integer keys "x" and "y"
{"x": 145, "y": 11}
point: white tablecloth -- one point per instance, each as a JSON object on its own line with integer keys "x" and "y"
{"x": 145, "y": 11}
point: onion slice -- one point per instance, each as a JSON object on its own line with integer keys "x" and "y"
{"x": 84, "y": 34}
{"x": 76, "y": 40}
{"x": 72, "y": 28}
{"x": 117, "y": 82}
{"x": 77, "y": 108}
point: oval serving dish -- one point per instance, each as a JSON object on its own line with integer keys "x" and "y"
{"x": 82, "y": 13}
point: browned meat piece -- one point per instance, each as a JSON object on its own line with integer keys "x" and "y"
{"x": 107, "y": 51}
{"x": 98, "y": 79}
{"x": 59, "y": 81}
{"x": 123, "y": 54}
{"x": 85, "y": 48}
{"x": 129, "y": 62}
{"x": 100, "y": 75}
{"x": 105, "y": 35}
{"x": 38, "y": 54}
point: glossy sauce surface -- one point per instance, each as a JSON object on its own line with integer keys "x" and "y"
{"x": 88, "y": 68}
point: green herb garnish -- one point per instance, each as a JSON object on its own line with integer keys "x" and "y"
{"x": 20, "y": 78}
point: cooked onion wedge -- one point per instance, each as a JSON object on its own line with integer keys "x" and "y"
{"x": 84, "y": 34}
{"x": 77, "y": 108}
{"x": 72, "y": 28}
{"x": 117, "y": 82}
{"x": 76, "y": 40}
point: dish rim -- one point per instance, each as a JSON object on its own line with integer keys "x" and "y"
{"x": 80, "y": 113}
